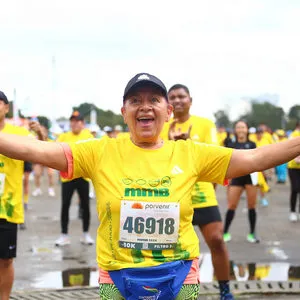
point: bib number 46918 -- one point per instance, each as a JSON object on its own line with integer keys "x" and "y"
{"x": 149, "y": 225}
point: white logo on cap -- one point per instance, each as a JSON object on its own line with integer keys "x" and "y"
{"x": 144, "y": 77}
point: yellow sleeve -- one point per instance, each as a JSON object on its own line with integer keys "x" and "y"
{"x": 211, "y": 162}
{"x": 86, "y": 155}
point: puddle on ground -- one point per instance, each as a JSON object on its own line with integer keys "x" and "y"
{"x": 68, "y": 278}
{"x": 277, "y": 271}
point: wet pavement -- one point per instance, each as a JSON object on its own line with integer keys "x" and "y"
{"x": 41, "y": 265}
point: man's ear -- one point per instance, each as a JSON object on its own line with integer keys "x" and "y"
{"x": 170, "y": 109}
{"x": 123, "y": 112}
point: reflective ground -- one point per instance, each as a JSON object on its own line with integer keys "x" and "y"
{"x": 42, "y": 265}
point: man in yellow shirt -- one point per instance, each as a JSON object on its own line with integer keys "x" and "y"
{"x": 78, "y": 133}
{"x": 266, "y": 135}
{"x": 11, "y": 204}
{"x": 206, "y": 212}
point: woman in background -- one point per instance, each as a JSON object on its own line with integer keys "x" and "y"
{"x": 239, "y": 184}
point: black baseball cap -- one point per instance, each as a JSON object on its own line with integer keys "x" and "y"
{"x": 143, "y": 79}
{"x": 76, "y": 116}
{"x": 3, "y": 97}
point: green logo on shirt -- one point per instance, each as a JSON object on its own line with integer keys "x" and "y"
{"x": 131, "y": 192}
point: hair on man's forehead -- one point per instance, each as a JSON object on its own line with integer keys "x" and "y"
{"x": 179, "y": 86}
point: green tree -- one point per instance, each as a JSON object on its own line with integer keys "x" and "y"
{"x": 266, "y": 113}
{"x": 222, "y": 118}
{"x": 104, "y": 118}
{"x": 294, "y": 112}
{"x": 291, "y": 124}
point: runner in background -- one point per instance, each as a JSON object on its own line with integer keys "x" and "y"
{"x": 263, "y": 139}
{"x": 294, "y": 175}
{"x": 81, "y": 185}
{"x": 207, "y": 216}
{"x": 239, "y": 184}
{"x": 281, "y": 170}
{"x": 37, "y": 130}
{"x": 109, "y": 131}
{"x": 118, "y": 129}
{"x": 26, "y": 176}
{"x": 11, "y": 200}
{"x": 39, "y": 170}
{"x": 95, "y": 130}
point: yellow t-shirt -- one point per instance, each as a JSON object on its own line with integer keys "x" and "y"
{"x": 203, "y": 131}
{"x": 11, "y": 182}
{"x": 266, "y": 138}
{"x": 221, "y": 137}
{"x": 69, "y": 136}
{"x": 121, "y": 171}
{"x": 292, "y": 164}
{"x": 262, "y": 142}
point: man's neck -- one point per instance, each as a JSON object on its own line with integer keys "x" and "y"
{"x": 2, "y": 124}
{"x": 181, "y": 118}
{"x": 76, "y": 133}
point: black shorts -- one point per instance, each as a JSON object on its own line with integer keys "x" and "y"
{"x": 206, "y": 215}
{"x": 241, "y": 181}
{"x": 8, "y": 239}
{"x": 27, "y": 167}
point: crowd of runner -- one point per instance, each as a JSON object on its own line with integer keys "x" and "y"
{"x": 152, "y": 183}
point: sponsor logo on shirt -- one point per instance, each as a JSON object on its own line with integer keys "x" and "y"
{"x": 132, "y": 192}
{"x": 164, "y": 181}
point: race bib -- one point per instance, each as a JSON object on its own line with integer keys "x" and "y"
{"x": 149, "y": 225}
{"x": 2, "y": 183}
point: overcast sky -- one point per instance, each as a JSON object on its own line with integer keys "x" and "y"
{"x": 222, "y": 50}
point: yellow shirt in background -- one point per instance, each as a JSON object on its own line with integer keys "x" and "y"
{"x": 293, "y": 164}
{"x": 11, "y": 182}
{"x": 203, "y": 131}
{"x": 70, "y": 137}
{"x": 221, "y": 136}
{"x": 124, "y": 173}
{"x": 262, "y": 142}
{"x": 267, "y": 138}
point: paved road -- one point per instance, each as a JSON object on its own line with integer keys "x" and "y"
{"x": 41, "y": 265}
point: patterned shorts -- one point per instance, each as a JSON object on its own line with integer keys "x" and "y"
{"x": 110, "y": 292}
